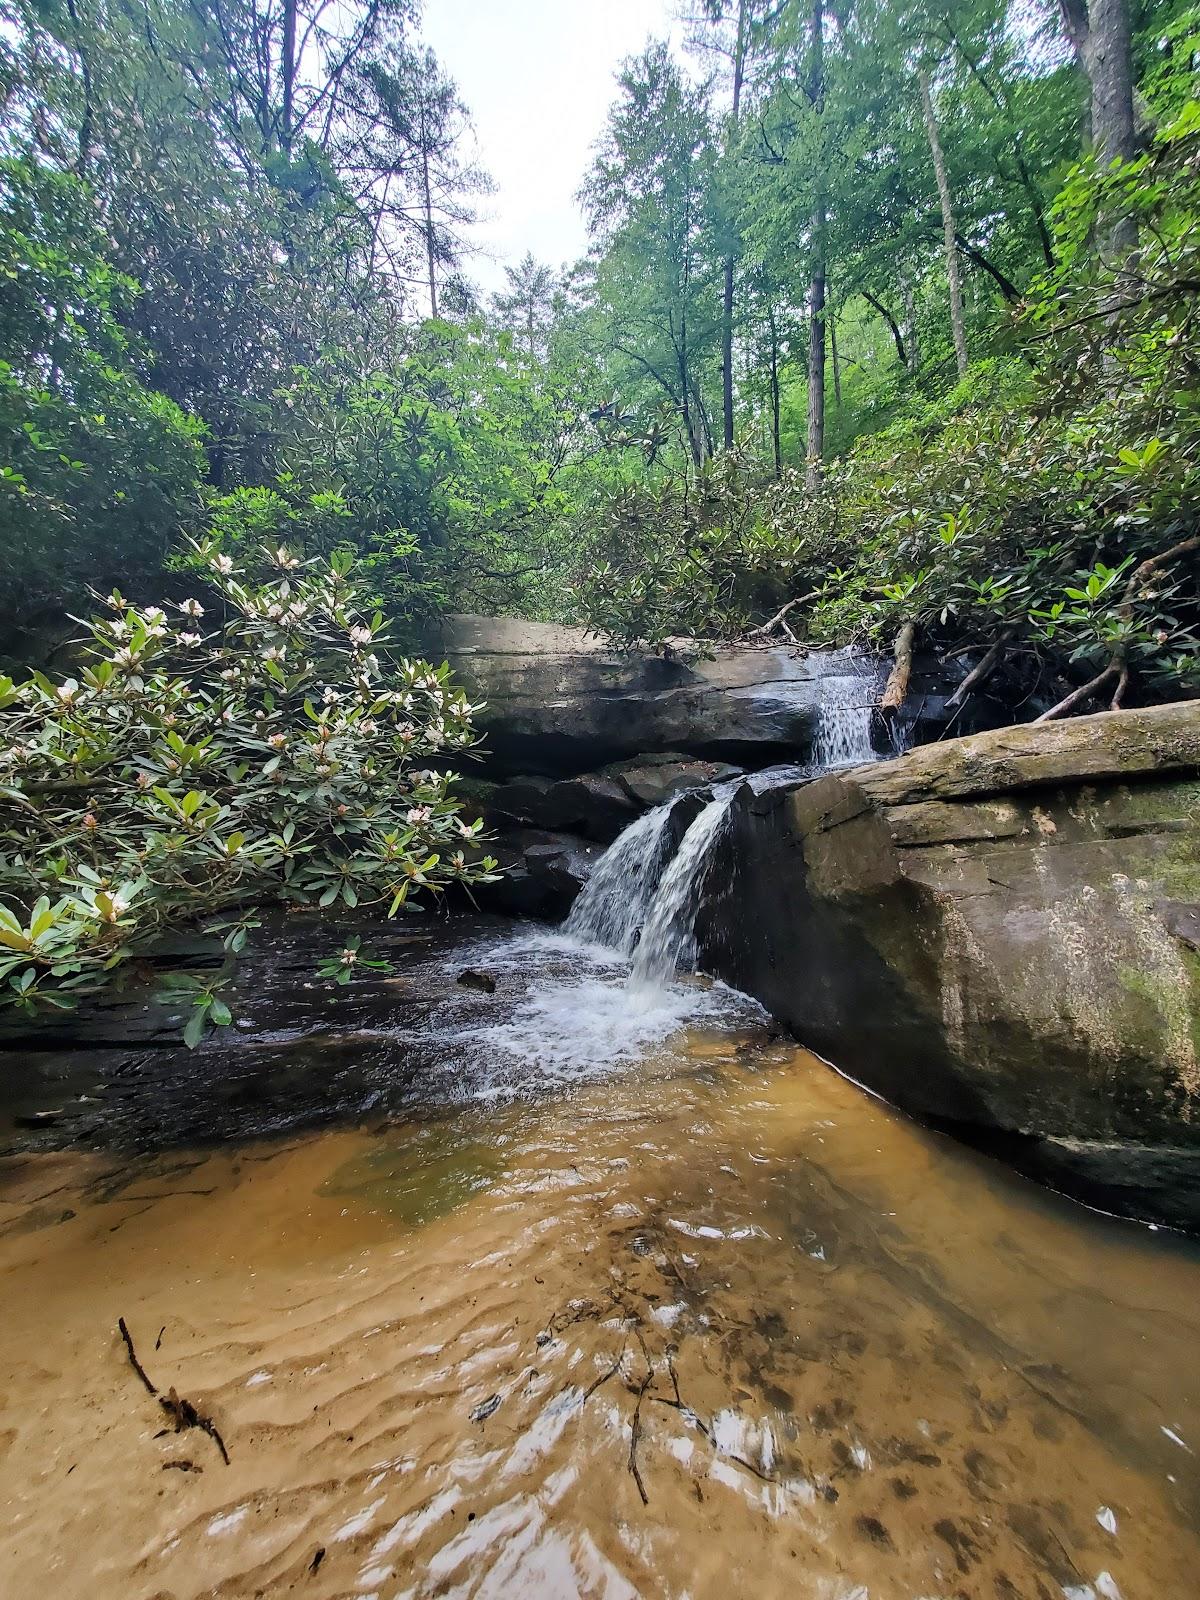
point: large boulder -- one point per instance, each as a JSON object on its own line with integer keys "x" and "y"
{"x": 998, "y": 933}
{"x": 654, "y": 778}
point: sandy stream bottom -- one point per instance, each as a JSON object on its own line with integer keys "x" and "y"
{"x": 717, "y": 1326}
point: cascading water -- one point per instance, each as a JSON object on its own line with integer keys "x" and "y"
{"x": 666, "y": 941}
{"x": 601, "y": 992}
{"x": 586, "y": 1009}
{"x": 845, "y": 718}
{"x": 613, "y": 906}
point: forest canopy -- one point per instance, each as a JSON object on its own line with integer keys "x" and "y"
{"x": 887, "y": 318}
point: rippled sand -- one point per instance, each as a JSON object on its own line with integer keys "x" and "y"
{"x": 718, "y": 1326}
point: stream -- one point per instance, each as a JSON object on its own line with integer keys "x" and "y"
{"x": 628, "y": 1297}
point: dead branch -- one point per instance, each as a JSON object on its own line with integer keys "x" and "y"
{"x": 133, "y": 1360}
{"x": 635, "y": 1434}
{"x": 611, "y": 1372}
{"x": 979, "y": 672}
{"x": 774, "y": 622}
{"x": 1151, "y": 564}
{"x": 1084, "y": 692}
{"x": 897, "y": 685}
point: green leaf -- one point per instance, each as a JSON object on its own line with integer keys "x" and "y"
{"x": 194, "y": 1031}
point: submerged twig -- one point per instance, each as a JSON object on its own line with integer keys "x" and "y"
{"x": 181, "y": 1411}
{"x": 133, "y": 1360}
{"x": 635, "y": 1434}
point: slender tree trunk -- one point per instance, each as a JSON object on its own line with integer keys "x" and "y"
{"x": 427, "y": 198}
{"x": 815, "y": 436}
{"x": 87, "y": 119}
{"x": 775, "y": 439}
{"x": 957, "y": 323}
{"x": 287, "y": 67}
{"x": 910, "y": 323}
{"x": 897, "y": 336}
{"x": 739, "y": 68}
{"x": 837, "y": 366}
{"x": 690, "y": 426}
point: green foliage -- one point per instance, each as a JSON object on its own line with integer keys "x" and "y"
{"x": 199, "y": 771}
{"x": 698, "y": 558}
{"x": 99, "y": 474}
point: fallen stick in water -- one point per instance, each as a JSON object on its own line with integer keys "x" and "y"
{"x": 181, "y": 1411}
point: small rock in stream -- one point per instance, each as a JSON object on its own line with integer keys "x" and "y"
{"x": 471, "y": 978}
{"x": 39, "y": 1119}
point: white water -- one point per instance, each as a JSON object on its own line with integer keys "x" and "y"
{"x": 605, "y": 992}
{"x": 602, "y": 993}
{"x": 845, "y": 717}
{"x": 667, "y": 937}
{"x": 616, "y": 898}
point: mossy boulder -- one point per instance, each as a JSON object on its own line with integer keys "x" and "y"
{"x": 998, "y": 933}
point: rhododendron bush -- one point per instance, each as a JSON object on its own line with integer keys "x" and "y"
{"x": 214, "y": 756}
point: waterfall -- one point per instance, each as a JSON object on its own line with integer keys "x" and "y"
{"x": 637, "y": 905}
{"x": 613, "y": 905}
{"x": 641, "y": 902}
{"x": 666, "y": 941}
{"x": 845, "y": 716}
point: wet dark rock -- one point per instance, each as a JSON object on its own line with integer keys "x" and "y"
{"x": 996, "y": 934}
{"x": 311, "y": 1054}
{"x": 592, "y": 804}
{"x": 39, "y": 1119}
{"x": 651, "y": 779}
{"x": 485, "y": 982}
{"x": 543, "y": 872}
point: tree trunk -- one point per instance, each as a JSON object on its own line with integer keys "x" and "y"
{"x": 910, "y": 323}
{"x": 775, "y": 440}
{"x": 690, "y": 424}
{"x": 739, "y": 68}
{"x": 837, "y": 366}
{"x": 427, "y": 198}
{"x": 957, "y": 324}
{"x": 287, "y": 68}
{"x": 815, "y": 437}
{"x": 1099, "y": 34}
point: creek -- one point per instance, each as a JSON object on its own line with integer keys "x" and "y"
{"x": 628, "y": 1296}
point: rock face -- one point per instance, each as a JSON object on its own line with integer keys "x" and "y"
{"x": 1000, "y": 933}
{"x": 561, "y": 701}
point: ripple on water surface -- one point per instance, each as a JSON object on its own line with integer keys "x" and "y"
{"x": 701, "y": 1320}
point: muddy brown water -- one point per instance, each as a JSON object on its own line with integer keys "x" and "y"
{"x": 716, "y": 1323}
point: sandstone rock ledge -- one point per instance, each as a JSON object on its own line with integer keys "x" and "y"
{"x": 999, "y": 933}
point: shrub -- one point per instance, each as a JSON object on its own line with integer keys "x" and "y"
{"x": 199, "y": 770}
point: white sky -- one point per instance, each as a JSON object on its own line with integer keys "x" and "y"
{"x": 537, "y": 76}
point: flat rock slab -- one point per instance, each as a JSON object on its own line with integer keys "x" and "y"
{"x": 560, "y": 699}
